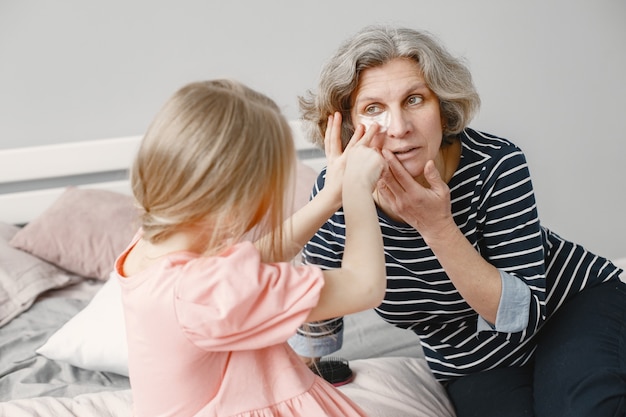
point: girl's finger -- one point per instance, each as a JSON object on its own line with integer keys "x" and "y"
{"x": 332, "y": 139}
{"x": 337, "y": 147}
{"x": 356, "y": 136}
{"x": 370, "y": 134}
{"x": 327, "y": 135}
{"x": 364, "y": 136}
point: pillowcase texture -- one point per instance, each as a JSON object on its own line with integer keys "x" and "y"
{"x": 23, "y": 277}
{"x": 83, "y": 231}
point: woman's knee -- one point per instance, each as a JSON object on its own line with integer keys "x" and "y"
{"x": 580, "y": 359}
{"x": 505, "y": 392}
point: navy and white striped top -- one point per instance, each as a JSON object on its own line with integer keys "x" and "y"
{"x": 494, "y": 206}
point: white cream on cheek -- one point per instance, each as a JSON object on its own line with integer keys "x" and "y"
{"x": 383, "y": 119}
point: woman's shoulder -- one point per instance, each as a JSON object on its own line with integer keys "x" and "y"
{"x": 486, "y": 157}
{"x": 486, "y": 142}
{"x": 480, "y": 148}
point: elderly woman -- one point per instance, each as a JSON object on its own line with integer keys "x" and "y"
{"x": 513, "y": 319}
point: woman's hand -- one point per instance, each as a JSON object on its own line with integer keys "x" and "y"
{"x": 426, "y": 208}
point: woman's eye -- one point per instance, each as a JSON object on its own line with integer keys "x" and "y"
{"x": 372, "y": 110}
{"x": 414, "y": 100}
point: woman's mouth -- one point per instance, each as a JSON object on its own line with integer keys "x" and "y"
{"x": 405, "y": 153}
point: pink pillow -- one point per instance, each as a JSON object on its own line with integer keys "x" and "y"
{"x": 83, "y": 231}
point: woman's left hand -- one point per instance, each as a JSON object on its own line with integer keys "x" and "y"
{"x": 426, "y": 208}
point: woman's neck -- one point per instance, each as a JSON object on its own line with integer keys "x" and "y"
{"x": 451, "y": 157}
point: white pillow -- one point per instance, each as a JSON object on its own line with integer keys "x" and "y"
{"x": 95, "y": 338}
{"x": 397, "y": 386}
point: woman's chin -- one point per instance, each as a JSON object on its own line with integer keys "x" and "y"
{"x": 414, "y": 168}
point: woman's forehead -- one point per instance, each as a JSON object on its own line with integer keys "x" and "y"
{"x": 393, "y": 76}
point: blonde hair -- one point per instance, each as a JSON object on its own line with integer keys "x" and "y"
{"x": 218, "y": 156}
{"x": 373, "y": 46}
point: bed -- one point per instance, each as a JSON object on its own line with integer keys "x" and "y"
{"x": 65, "y": 212}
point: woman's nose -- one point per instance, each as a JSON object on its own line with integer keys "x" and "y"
{"x": 398, "y": 124}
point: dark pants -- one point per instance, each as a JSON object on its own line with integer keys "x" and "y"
{"x": 579, "y": 367}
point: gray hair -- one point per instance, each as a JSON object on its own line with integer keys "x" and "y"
{"x": 373, "y": 46}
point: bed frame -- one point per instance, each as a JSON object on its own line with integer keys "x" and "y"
{"x": 31, "y": 178}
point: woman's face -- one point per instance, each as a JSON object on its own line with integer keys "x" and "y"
{"x": 396, "y": 96}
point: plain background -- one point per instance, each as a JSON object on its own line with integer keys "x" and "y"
{"x": 551, "y": 75}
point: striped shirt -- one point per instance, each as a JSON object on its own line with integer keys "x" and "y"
{"x": 493, "y": 204}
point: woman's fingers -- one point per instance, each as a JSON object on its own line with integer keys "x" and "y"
{"x": 395, "y": 178}
{"x": 433, "y": 176}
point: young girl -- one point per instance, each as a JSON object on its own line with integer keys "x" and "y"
{"x": 208, "y": 313}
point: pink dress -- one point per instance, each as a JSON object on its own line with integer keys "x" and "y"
{"x": 207, "y": 337}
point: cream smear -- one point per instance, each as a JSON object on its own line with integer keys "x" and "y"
{"x": 383, "y": 119}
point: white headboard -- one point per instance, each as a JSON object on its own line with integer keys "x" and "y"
{"x": 32, "y": 178}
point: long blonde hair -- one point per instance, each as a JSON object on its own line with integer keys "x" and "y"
{"x": 218, "y": 156}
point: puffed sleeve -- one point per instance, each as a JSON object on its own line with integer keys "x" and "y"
{"x": 236, "y": 302}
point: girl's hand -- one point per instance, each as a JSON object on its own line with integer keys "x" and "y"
{"x": 336, "y": 156}
{"x": 365, "y": 163}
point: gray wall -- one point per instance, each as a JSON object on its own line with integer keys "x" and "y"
{"x": 550, "y": 73}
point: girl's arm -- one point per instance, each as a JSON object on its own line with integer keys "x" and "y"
{"x": 303, "y": 224}
{"x": 361, "y": 281}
